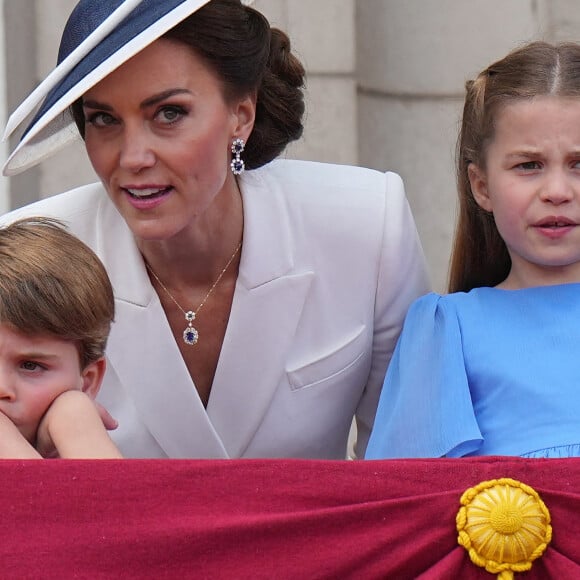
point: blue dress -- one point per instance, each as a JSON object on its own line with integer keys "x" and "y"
{"x": 488, "y": 372}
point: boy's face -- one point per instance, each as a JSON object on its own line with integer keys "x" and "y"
{"x": 34, "y": 370}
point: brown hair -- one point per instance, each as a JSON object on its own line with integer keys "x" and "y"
{"x": 52, "y": 283}
{"x": 249, "y": 56}
{"x": 480, "y": 256}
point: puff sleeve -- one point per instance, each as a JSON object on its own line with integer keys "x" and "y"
{"x": 425, "y": 409}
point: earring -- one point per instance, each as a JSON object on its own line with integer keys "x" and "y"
{"x": 237, "y": 165}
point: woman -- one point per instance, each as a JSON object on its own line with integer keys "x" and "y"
{"x": 256, "y": 311}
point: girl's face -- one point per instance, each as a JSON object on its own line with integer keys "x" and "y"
{"x": 531, "y": 184}
{"x": 158, "y": 132}
{"x": 34, "y": 370}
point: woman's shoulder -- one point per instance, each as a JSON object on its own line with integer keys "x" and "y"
{"x": 329, "y": 181}
{"x": 65, "y": 206}
{"x": 348, "y": 207}
{"x": 86, "y": 211}
{"x": 318, "y": 169}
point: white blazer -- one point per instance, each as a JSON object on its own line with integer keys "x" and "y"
{"x": 330, "y": 263}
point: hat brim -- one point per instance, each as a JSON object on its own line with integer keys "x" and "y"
{"x": 129, "y": 29}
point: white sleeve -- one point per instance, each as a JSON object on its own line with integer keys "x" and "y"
{"x": 402, "y": 277}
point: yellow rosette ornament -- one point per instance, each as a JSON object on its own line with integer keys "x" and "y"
{"x": 504, "y": 526}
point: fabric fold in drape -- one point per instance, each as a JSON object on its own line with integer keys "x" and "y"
{"x": 264, "y": 519}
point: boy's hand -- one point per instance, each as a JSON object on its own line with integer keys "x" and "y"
{"x": 74, "y": 428}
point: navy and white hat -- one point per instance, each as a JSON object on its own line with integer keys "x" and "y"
{"x": 100, "y": 35}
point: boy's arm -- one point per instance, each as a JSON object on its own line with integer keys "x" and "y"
{"x": 74, "y": 427}
{"x": 13, "y": 445}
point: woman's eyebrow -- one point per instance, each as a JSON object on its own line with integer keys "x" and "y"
{"x": 155, "y": 99}
{"x": 149, "y": 102}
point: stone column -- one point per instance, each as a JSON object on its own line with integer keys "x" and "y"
{"x": 4, "y": 190}
{"x": 413, "y": 59}
{"x": 323, "y": 37}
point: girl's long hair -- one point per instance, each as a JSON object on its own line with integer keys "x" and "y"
{"x": 479, "y": 255}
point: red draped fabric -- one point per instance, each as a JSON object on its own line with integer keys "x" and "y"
{"x": 265, "y": 519}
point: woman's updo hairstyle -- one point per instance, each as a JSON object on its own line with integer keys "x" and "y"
{"x": 248, "y": 56}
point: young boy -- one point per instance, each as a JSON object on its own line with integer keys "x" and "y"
{"x": 56, "y": 309}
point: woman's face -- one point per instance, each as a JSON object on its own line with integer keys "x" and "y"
{"x": 158, "y": 132}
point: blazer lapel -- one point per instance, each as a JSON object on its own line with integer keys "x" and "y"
{"x": 160, "y": 386}
{"x": 158, "y": 382}
{"x": 267, "y": 305}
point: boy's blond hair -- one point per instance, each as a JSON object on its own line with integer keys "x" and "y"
{"x": 52, "y": 283}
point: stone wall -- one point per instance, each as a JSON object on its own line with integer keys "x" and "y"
{"x": 413, "y": 58}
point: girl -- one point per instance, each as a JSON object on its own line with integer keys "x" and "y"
{"x": 493, "y": 368}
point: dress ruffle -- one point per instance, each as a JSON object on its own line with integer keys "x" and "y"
{"x": 560, "y": 452}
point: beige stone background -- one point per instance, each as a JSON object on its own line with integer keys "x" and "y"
{"x": 384, "y": 88}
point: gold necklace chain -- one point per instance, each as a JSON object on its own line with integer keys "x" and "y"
{"x": 190, "y": 334}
